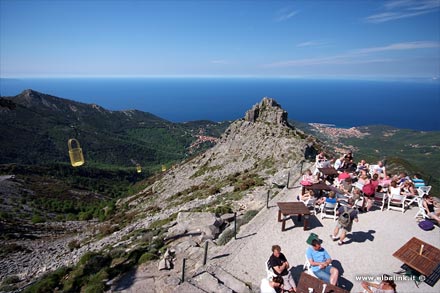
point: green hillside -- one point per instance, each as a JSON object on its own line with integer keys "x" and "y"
{"x": 35, "y": 128}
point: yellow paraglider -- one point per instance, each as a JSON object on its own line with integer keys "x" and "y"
{"x": 75, "y": 153}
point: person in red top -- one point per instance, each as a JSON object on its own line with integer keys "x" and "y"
{"x": 375, "y": 180}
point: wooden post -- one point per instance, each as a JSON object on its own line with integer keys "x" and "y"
{"x": 267, "y": 201}
{"x": 183, "y": 271}
{"x": 235, "y": 225}
{"x": 206, "y": 253}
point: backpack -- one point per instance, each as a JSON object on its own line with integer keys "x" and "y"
{"x": 426, "y": 225}
{"x": 344, "y": 219}
{"x": 368, "y": 189}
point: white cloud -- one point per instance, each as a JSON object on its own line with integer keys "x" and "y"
{"x": 401, "y": 46}
{"x": 398, "y": 9}
{"x": 285, "y": 14}
{"x": 331, "y": 60}
{"x": 220, "y": 61}
{"x": 359, "y": 56}
{"x": 310, "y": 44}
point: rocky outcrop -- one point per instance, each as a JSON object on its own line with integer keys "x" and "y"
{"x": 205, "y": 225}
{"x": 268, "y": 110}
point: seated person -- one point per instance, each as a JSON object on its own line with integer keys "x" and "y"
{"x": 339, "y": 164}
{"x": 418, "y": 181}
{"x": 386, "y": 286}
{"x": 306, "y": 196}
{"x": 309, "y": 177}
{"x": 331, "y": 198}
{"x": 380, "y": 169}
{"x": 273, "y": 285}
{"x": 320, "y": 263}
{"x": 362, "y": 166}
{"x": 409, "y": 189}
{"x": 378, "y": 194}
{"x": 280, "y": 266}
{"x": 394, "y": 191}
{"x": 344, "y": 175}
{"x": 385, "y": 182}
{"x": 430, "y": 207}
{"x": 320, "y": 158}
{"x": 355, "y": 195}
{"x": 402, "y": 178}
{"x": 363, "y": 178}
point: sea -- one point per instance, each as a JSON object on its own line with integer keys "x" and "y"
{"x": 344, "y": 103}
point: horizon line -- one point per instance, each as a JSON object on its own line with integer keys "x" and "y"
{"x": 306, "y": 77}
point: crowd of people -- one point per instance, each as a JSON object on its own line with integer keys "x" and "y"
{"x": 353, "y": 188}
{"x": 364, "y": 182}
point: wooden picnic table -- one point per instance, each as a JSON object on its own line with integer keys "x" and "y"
{"x": 328, "y": 171}
{"x": 424, "y": 263}
{"x": 317, "y": 186}
{"x": 307, "y": 281}
{"x": 288, "y": 209}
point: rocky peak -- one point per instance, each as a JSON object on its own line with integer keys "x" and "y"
{"x": 31, "y": 98}
{"x": 268, "y": 110}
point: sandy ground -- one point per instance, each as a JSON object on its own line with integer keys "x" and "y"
{"x": 374, "y": 239}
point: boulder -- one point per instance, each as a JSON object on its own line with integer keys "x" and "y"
{"x": 228, "y": 217}
{"x": 206, "y": 224}
{"x": 209, "y": 283}
{"x": 280, "y": 178}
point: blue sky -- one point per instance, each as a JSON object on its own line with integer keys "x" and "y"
{"x": 332, "y": 39}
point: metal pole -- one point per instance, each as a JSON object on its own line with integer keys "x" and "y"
{"x": 300, "y": 172}
{"x": 235, "y": 225}
{"x": 288, "y": 179}
{"x": 267, "y": 201}
{"x": 206, "y": 253}
{"x": 183, "y": 271}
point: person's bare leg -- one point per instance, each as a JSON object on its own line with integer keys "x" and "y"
{"x": 343, "y": 234}
{"x": 334, "y": 273}
{"x": 335, "y": 232}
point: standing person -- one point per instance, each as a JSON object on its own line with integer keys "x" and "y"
{"x": 345, "y": 221}
{"x": 280, "y": 266}
{"x": 320, "y": 263}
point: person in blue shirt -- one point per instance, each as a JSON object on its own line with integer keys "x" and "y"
{"x": 418, "y": 181}
{"x": 320, "y": 262}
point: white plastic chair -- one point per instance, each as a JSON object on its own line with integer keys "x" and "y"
{"x": 421, "y": 212}
{"x": 328, "y": 210}
{"x": 308, "y": 267}
{"x": 422, "y": 190}
{"x": 380, "y": 199}
{"x": 311, "y": 205}
{"x": 396, "y": 201}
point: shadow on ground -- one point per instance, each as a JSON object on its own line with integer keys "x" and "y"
{"x": 342, "y": 282}
{"x": 360, "y": 236}
{"x": 294, "y": 223}
{"x": 126, "y": 281}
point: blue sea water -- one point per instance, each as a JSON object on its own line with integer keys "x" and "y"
{"x": 345, "y": 103}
